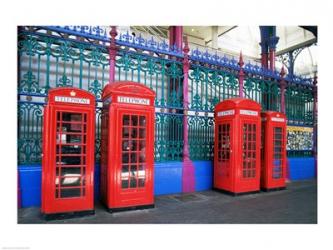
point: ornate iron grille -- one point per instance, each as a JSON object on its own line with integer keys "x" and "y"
{"x": 50, "y": 57}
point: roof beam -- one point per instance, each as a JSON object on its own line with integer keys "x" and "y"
{"x": 297, "y": 46}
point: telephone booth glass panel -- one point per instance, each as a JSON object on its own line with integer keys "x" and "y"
{"x": 68, "y": 152}
{"x": 224, "y": 149}
{"x": 249, "y": 150}
{"x": 278, "y": 150}
{"x": 133, "y": 151}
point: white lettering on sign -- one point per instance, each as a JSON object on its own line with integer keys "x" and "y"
{"x": 133, "y": 100}
{"x": 248, "y": 112}
{"x": 71, "y": 99}
{"x": 227, "y": 112}
{"x": 276, "y": 119}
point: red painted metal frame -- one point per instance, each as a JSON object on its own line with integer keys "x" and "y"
{"x": 228, "y": 112}
{"x": 113, "y": 195}
{"x": 271, "y": 120}
{"x": 50, "y": 203}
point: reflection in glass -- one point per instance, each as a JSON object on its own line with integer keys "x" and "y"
{"x": 142, "y": 133}
{"x": 142, "y": 144}
{"x": 70, "y": 192}
{"x": 125, "y": 132}
{"x": 134, "y": 120}
{"x": 133, "y": 182}
{"x": 142, "y": 121}
{"x": 126, "y": 120}
{"x": 134, "y": 133}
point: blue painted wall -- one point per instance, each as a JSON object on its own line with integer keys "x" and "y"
{"x": 203, "y": 175}
{"x": 168, "y": 178}
{"x": 30, "y": 184}
{"x": 301, "y": 168}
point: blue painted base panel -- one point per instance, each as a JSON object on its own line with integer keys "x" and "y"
{"x": 167, "y": 178}
{"x": 301, "y": 168}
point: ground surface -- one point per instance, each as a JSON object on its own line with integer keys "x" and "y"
{"x": 297, "y": 204}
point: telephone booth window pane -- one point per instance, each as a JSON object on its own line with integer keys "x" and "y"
{"x": 126, "y": 145}
{"x": 142, "y": 121}
{"x": 142, "y": 144}
{"x": 134, "y": 120}
{"x": 70, "y": 154}
{"x": 134, "y": 145}
{"x": 142, "y": 157}
{"x": 125, "y": 132}
{"x": 70, "y": 192}
{"x": 126, "y": 120}
{"x": 249, "y": 150}
{"x": 125, "y": 158}
{"x": 134, "y": 133}
{"x": 278, "y": 150}
{"x": 142, "y": 133}
{"x": 133, "y": 157}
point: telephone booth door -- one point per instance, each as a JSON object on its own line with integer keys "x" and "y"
{"x": 274, "y": 125}
{"x": 237, "y": 146}
{"x": 68, "y": 152}
{"x": 130, "y": 158}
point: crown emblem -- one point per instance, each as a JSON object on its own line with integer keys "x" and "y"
{"x": 72, "y": 93}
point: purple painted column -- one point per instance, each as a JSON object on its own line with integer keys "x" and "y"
{"x": 112, "y": 54}
{"x": 283, "y": 90}
{"x": 315, "y": 122}
{"x": 241, "y": 75}
{"x": 188, "y": 176}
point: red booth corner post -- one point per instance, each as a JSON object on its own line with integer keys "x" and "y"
{"x": 68, "y": 153}
{"x": 237, "y": 146}
{"x": 127, "y": 146}
{"x": 274, "y": 154}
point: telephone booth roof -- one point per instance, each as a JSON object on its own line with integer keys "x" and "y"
{"x": 272, "y": 114}
{"x": 69, "y": 95}
{"x": 238, "y": 103}
{"x": 129, "y": 88}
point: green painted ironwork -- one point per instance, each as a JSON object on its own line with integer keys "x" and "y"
{"x": 168, "y": 137}
{"x": 265, "y": 92}
{"x": 299, "y": 153}
{"x": 47, "y": 61}
{"x": 207, "y": 87}
{"x": 299, "y": 104}
{"x": 30, "y": 124}
{"x": 161, "y": 75}
{"x": 201, "y": 137}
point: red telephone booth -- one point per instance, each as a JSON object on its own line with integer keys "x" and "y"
{"x": 68, "y": 153}
{"x": 274, "y": 154}
{"x": 237, "y": 146}
{"x": 127, "y": 158}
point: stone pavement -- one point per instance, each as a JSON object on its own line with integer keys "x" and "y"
{"x": 296, "y": 204}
